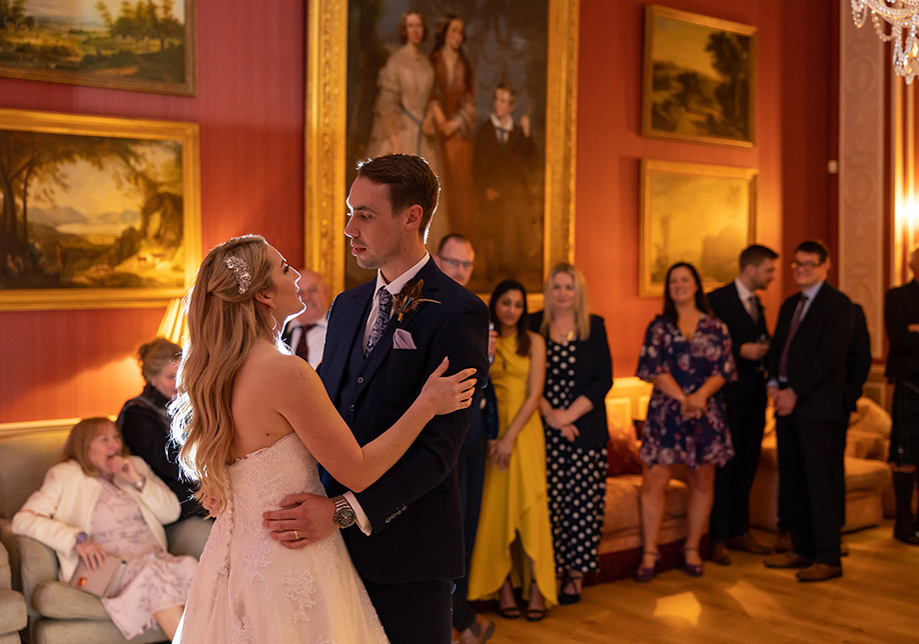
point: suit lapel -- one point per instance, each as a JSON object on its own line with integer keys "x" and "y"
{"x": 350, "y": 320}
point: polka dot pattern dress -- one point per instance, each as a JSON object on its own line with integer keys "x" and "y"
{"x": 576, "y": 475}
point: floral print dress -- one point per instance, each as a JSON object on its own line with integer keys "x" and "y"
{"x": 668, "y": 437}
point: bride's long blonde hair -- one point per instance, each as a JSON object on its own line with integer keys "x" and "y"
{"x": 224, "y": 322}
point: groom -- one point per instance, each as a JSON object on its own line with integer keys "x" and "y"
{"x": 404, "y": 532}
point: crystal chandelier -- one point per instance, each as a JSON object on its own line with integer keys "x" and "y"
{"x": 903, "y": 17}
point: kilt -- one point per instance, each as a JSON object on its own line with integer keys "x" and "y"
{"x": 904, "y": 436}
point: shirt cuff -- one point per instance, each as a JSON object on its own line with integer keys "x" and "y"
{"x": 773, "y": 382}
{"x": 360, "y": 516}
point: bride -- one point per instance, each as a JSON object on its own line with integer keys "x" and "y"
{"x": 254, "y": 421}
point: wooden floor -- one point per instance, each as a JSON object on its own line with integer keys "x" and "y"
{"x": 876, "y": 600}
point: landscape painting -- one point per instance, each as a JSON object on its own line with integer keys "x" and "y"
{"x": 701, "y": 214}
{"x": 699, "y": 78}
{"x": 96, "y": 211}
{"x": 147, "y": 45}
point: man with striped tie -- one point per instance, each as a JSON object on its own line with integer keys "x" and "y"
{"x": 807, "y": 384}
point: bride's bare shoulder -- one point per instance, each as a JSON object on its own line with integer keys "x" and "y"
{"x": 266, "y": 365}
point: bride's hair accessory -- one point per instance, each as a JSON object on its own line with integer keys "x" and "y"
{"x": 241, "y": 270}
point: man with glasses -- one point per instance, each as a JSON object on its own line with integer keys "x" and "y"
{"x": 456, "y": 258}
{"x": 807, "y": 384}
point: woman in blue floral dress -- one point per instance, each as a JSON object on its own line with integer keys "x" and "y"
{"x": 686, "y": 421}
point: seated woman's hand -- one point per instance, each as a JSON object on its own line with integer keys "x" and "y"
{"x": 446, "y": 394}
{"x": 91, "y": 553}
{"x": 124, "y": 468}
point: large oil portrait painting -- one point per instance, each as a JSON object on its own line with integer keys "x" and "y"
{"x": 699, "y": 78}
{"x": 484, "y": 91}
{"x": 96, "y": 212}
{"x": 702, "y": 214}
{"x": 146, "y": 46}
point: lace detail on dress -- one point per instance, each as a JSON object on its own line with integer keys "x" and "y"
{"x": 251, "y": 589}
{"x": 299, "y": 587}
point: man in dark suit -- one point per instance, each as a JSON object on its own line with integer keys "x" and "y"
{"x": 807, "y": 371}
{"x": 901, "y": 318}
{"x": 384, "y": 339}
{"x": 456, "y": 258}
{"x": 740, "y": 309}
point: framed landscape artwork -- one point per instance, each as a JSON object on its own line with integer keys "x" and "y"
{"x": 699, "y": 82}
{"x": 701, "y": 214}
{"x": 145, "y": 46}
{"x": 96, "y": 212}
{"x": 376, "y": 87}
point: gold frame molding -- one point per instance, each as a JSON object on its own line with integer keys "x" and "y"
{"x": 92, "y": 79}
{"x": 656, "y": 11}
{"x": 646, "y": 286}
{"x": 326, "y": 53}
{"x": 105, "y": 298}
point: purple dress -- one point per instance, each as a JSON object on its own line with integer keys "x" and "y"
{"x": 668, "y": 437}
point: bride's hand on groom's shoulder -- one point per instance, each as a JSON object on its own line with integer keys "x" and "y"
{"x": 303, "y": 519}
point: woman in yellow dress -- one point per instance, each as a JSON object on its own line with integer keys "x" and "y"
{"x": 513, "y": 545}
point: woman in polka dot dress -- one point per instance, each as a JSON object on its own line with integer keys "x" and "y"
{"x": 579, "y": 373}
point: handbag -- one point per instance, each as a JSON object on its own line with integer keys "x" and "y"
{"x": 101, "y": 582}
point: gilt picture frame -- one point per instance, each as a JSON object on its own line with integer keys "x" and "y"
{"x": 331, "y": 154}
{"x": 144, "y": 47}
{"x": 699, "y": 79}
{"x": 697, "y": 213}
{"x": 97, "y": 212}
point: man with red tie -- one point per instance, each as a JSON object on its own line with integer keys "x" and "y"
{"x": 305, "y": 334}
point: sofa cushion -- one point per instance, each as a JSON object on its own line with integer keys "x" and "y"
{"x": 864, "y": 474}
{"x": 13, "y": 615}
{"x": 622, "y": 450}
{"x": 60, "y": 601}
{"x": 24, "y": 460}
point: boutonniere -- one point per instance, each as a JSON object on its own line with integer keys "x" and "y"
{"x": 409, "y": 298}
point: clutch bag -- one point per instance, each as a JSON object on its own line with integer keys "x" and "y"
{"x": 101, "y": 582}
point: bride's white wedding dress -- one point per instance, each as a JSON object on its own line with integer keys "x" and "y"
{"x": 250, "y": 589}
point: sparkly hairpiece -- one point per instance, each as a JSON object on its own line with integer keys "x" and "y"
{"x": 241, "y": 270}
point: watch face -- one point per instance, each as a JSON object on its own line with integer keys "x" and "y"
{"x": 345, "y": 517}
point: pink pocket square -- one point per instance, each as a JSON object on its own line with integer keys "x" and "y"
{"x": 402, "y": 339}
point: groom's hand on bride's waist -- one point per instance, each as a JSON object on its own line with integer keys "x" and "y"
{"x": 303, "y": 519}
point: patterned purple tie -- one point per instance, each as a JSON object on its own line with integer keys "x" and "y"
{"x": 379, "y": 325}
{"x": 792, "y": 330}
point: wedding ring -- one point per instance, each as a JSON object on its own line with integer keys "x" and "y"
{"x": 296, "y": 536}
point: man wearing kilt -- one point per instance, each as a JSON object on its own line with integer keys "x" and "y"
{"x": 901, "y": 318}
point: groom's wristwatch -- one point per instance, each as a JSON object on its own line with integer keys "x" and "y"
{"x": 344, "y": 515}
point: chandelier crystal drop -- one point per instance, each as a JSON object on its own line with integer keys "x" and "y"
{"x": 903, "y": 18}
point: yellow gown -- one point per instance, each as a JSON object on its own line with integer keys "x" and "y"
{"x": 514, "y": 501}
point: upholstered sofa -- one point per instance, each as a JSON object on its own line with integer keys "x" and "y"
{"x": 13, "y": 615}
{"x": 57, "y": 613}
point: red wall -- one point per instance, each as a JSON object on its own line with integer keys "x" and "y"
{"x": 250, "y": 109}
{"x": 793, "y": 135}
{"x": 249, "y": 106}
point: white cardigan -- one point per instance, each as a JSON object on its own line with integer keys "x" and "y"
{"x": 62, "y": 508}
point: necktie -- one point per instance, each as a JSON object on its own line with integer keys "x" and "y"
{"x": 792, "y": 330}
{"x": 379, "y": 325}
{"x": 503, "y": 135}
{"x": 751, "y": 308}
{"x": 303, "y": 348}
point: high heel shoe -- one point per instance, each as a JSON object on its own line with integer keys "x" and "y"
{"x": 511, "y": 611}
{"x": 570, "y": 582}
{"x": 645, "y": 574}
{"x": 693, "y": 570}
{"x": 535, "y": 614}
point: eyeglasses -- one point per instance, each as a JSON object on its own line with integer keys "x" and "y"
{"x": 808, "y": 265}
{"x": 455, "y": 263}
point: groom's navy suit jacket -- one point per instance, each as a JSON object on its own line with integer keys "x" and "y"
{"x": 414, "y": 507}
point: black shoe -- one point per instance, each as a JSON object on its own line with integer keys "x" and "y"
{"x": 906, "y": 535}
{"x": 566, "y": 598}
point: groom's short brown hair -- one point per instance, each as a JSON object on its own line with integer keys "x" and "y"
{"x": 411, "y": 181}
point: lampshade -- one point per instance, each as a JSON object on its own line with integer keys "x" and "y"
{"x": 174, "y": 326}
